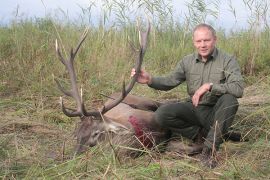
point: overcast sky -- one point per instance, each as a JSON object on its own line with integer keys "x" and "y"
{"x": 39, "y": 8}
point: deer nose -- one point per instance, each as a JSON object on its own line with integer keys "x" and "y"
{"x": 92, "y": 144}
{"x": 80, "y": 149}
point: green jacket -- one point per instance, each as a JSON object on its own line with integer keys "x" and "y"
{"x": 220, "y": 69}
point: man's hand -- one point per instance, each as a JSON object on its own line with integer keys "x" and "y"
{"x": 198, "y": 94}
{"x": 143, "y": 78}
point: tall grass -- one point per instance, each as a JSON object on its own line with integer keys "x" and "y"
{"x": 36, "y": 138}
{"x": 28, "y": 58}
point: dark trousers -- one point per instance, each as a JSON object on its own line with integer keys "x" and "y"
{"x": 185, "y": 119}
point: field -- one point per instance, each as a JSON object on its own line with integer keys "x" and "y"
{"x": 37, "y": 140}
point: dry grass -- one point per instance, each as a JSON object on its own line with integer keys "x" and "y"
{"x": 32, "y": 147}
{"x": 256, "y": 94}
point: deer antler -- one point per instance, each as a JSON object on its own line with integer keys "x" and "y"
{"x": 69, "y": 64}
{"x": 143, "y": 36}
{"x": 74, "y": 93}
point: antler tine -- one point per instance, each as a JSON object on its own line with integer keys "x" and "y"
{"x": 74, "y": 93}
{"x": 62, "y": 59}
{"x": 116, "y": 101}
{"x": 69, "y": 113}
{"x": 143, "y": 37}
{"x": 84, "y": 35}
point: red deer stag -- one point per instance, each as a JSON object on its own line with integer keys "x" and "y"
{"x": 133, "y": 114}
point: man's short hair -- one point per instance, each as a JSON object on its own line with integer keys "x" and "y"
{"x": 203, "y": 25}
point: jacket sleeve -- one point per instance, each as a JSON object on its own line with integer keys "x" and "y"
{"x": 168, "y": 82}
{"x": 234, "y": 83}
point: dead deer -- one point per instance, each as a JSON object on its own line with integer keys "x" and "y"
{"x": 114, "y": 115}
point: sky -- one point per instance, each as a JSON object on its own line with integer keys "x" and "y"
{"x": 39, "y": 8}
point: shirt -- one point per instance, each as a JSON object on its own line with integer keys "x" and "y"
{"x": 220, "y": 69}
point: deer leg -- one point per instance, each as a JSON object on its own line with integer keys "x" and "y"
{"x": 138, "y": 102}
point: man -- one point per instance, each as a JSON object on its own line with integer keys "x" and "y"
{"x": 214, "y": 82}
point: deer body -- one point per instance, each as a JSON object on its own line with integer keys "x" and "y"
{"x": 140, "y": 107}
{"x": 116, "y": 121}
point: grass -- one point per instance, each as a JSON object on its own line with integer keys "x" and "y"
{"x": 36, "y": 139}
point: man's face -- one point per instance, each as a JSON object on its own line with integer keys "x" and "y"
{"x": 204, "y": 41}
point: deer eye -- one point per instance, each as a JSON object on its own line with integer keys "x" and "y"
{"x": 96, "y": 133}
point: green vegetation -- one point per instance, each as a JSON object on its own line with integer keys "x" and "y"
{"x": 36, "y": 139}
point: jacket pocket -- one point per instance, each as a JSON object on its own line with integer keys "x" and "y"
{"x": 217, "y": 78}
{"x": 193, "y": 82}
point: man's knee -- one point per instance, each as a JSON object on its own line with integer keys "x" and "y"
{"x": 160, "y": 115}
{"x": 229, "y": 101}
{"x": 173, "y": 118}
{"x": 170, "y": 115}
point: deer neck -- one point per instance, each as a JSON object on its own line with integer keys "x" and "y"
{"x": 114, "y": 127}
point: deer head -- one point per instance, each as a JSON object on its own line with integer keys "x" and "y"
{"x": 93, "y": 126}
